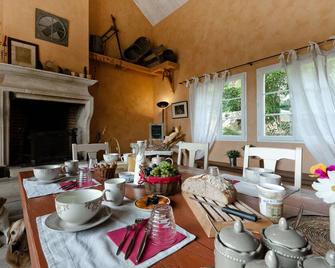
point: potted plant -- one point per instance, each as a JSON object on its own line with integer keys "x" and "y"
{"x": 232, "y": 155}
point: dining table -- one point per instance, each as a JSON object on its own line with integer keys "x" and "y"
{"x": 198, "y": 253}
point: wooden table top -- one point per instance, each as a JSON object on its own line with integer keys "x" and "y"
{"x": 199, "y": 253}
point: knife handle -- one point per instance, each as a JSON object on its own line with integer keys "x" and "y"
{"x": 142, "y": 246}
{"x": 132, "y": 243}
{"x": 239, "y": 213}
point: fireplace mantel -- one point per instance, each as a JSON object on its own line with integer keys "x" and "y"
{"x": 41, "y": 85}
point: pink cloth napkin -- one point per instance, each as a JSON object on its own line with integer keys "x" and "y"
{"x": 84, "y": 184}
{"x": 150, "y": 250}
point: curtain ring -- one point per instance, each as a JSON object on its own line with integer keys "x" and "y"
{"x": 314, "y": 47}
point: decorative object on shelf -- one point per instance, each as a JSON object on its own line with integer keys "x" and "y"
{"x": 22, "y": 53}
{"x": 136, "y": 51}
{"x": 51, "y": 66}
{"x": 51, "y": 28}
{"x": 233, "y": 155}
{"x": 98, "y": 43}
{"x": 3, "y": 50}
{"x": 325, "y": 189}
{"x": 179, "y": 110}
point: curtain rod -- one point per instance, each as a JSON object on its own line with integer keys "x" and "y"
{"x": 265, "y": 58}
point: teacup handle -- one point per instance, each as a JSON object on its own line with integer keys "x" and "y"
{"x": 104, "y": 195}
{"x": 122, "y": 158}
{"x": 169, "y": 159}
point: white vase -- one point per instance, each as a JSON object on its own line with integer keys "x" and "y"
{"x": 332, "y": 223}
{"x": 140, "y": 159}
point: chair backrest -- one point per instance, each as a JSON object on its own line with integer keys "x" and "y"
{"x": 192, "y": 148}
{"x": 270, "y": 157}
{"x": 89, "y": 149}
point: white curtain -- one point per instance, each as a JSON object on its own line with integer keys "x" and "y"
{"x": 311, "y": 80}
{"x": 205, "y": 100}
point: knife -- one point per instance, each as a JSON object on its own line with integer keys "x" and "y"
{"x": 232, "y": 211}
{"x": 123, "y": 240}
{"x": 132, "y": 242}
{"x": 143, "y": 243}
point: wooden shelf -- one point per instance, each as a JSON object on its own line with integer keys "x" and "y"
{"x": 155, "y": 71}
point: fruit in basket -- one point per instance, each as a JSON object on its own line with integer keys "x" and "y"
{"x": 164, "y": 169}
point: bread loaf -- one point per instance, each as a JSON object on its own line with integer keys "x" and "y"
{"x": 211, "y": 187}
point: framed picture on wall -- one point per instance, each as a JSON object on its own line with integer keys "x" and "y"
{"x": 22, "y": 53}
{"x": 51, "y": 28}
{"x": 179, "y": 110}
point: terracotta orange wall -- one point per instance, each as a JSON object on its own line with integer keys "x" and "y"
{"x": 18, "y": 19}
{"x": 212, "y": 35}
{"x": 123, "y": 100}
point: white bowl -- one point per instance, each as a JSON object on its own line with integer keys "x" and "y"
{"x": 78, "y": 207}
{"x": 269, "y": 178}
{"x": 47, "y": 172}
{"x": 127, "y": 175}
{"x": 252, "y": 173}
{"x": 110, "y": 158}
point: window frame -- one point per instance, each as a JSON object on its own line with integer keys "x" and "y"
{"x": 261, "y": 137}
{"x": 243, "y": 136}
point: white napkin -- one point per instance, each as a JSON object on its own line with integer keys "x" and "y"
{"x": 36, "y": 189}
{"x": 93, "y": 248}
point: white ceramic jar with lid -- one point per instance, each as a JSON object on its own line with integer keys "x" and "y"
{"x": 313, "y": 261}
{"x": 270, "y": 261}
{"x": 289, "y": 245}
{"x": 235, "y": 246}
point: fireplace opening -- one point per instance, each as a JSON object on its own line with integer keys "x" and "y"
{"x": 41, "y": 131}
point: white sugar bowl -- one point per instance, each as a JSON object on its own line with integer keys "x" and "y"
{"x": 313, "y": 261}
{"x": 289, "y": 245}
{"x": 270, "y": 261}
{"x": 235, "y": 246}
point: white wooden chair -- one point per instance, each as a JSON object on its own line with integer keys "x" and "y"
{"x": 89, "y": 149}
{"x": 192, "y": 148}
{"x": 270, "y": 157}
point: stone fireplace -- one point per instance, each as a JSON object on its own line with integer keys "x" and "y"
{"x": 41, "y": 114}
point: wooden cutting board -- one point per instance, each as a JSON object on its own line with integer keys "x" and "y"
{"x": 222, "y": 219}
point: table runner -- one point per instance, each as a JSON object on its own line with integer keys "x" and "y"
{"x": 93, "y": 248}
{"x": 36, "y": 189}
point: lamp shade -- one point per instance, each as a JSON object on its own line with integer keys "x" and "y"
{"x": 162, "y": 104}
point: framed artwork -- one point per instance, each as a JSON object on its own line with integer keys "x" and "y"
{"x": 156, "y": 131}
{"x": 51, "y": 28}
{"x": 22, "y": 53}
{"x": 179, "y": 110}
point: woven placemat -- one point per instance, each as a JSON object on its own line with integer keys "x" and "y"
{"x": 316, "y": 230}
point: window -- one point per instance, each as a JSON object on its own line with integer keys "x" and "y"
{"x": 233, "y": 117}
{"x": 275, "y": 122}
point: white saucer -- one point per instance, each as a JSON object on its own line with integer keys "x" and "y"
{"x": 55, "y": 223}
{"x": 39, "y": 181}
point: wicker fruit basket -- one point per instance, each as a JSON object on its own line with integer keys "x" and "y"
{"x": 105, "y": 171}
{"x": 161, "y": 185}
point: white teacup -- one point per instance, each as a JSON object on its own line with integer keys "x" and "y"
{"x": 78, "y": 207}
{"x": 114, "y": 191}
{"x": 47, "y": 172}
{"x": 110, "y": 158}
{"x": 124, "y": 157}
{"x": 71, "y": 167}
{"x": 252, "y": 173}
{"x": 269, "y": 178}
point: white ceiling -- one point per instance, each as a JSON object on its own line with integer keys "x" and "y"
{"x": 157, "y": 10}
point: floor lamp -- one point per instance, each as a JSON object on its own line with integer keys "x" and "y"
{"x": 162, "y": 105}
